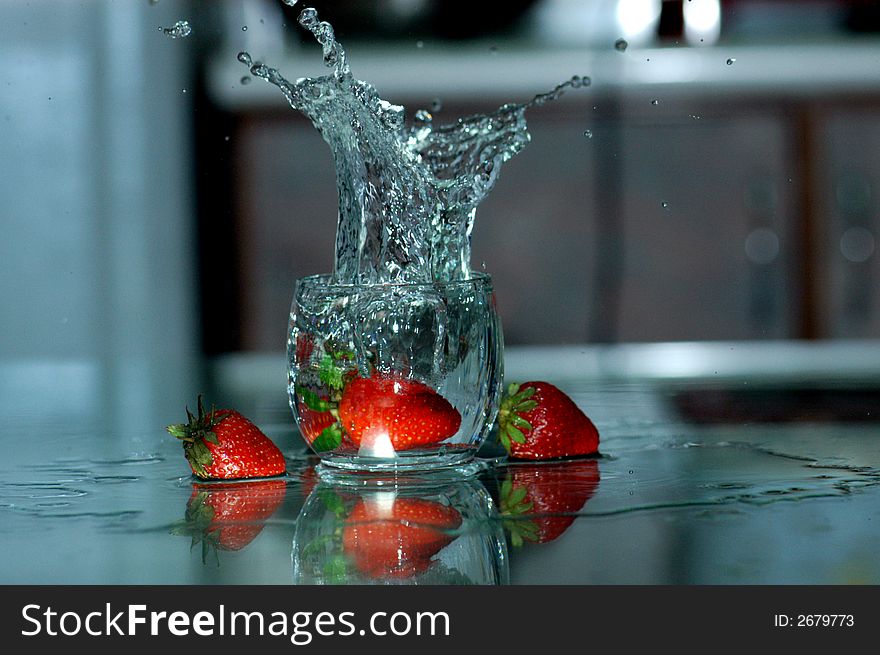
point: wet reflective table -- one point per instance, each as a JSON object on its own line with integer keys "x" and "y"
{"x": 720, "y": 463}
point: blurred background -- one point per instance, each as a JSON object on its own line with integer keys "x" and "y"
{"x": 717, "y": 181}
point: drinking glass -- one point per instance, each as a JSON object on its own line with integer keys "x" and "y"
{"x": 397, "y": 377}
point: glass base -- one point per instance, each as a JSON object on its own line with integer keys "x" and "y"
{"x": 409, "y": 471}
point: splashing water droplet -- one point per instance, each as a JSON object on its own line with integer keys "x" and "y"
{"x": 244, "y": 28}
{"x": 290, "y": 3}
{"x": 308, "y": 18}
{"x": 664, "y": 205}
{"x": 179, "y": 30}
{"x": 655, "y": 102}
{"x": 621, "y": 45}
{"x": 246, "y": 79}
{"x": 420, "y": 44}
{"x": 436, "y": 105}
{"x": 730, "y": 61}
{"x": 588, "y": 134}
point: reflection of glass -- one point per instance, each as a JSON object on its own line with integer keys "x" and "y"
{"x": 423, "y": 360}
{"x": 418, "y": 534}
{"x": 229, "y": 515}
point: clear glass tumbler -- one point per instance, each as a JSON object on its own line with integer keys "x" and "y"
{"x": 392, "y": 378}
{"x": 421, "y": 534}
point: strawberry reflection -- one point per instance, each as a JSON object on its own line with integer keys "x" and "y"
{"x": 407, "y": 534}
{"x": 540, "y": 501}
{"x": 229, "y": 515}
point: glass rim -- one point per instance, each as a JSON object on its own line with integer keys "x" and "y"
{"x": 322, "y": 281}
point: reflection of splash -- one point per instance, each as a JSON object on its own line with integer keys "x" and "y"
{"x": 229, "y": 516}
{"x": 421, "y": 534}
{"x": 539, "y": 501}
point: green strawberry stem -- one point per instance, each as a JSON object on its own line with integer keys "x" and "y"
{"x": 194, "y": 433}
{"x": 196, "y": 525}
{"x": 314, "y": 401}
{"x": 329, "y": 439}
{"x": 510, "y": 422}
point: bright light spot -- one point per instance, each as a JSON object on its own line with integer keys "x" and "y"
{"x": 377, "y": 444}
{"x": 381, "y": 503}
{"x": 702, "y": 21}
{"x": 638, "y": 19}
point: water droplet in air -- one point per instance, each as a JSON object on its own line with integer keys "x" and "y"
{"x": 246, "y": 79}
{"x": 180, "y": 29}
{"x": 588, "y": 134}
{"x": 420, "y": 44}
{"x": 655, "y": 102}
{"x": 290, "y": 3}
{"x": 621, "y": 45}
{"x": 730, "y": 61}
{"x": 308, "y": 17}
{"x": 664, "y": 204}
{"x": 483, "y": 265}
{"x": 436, "y": 105}
{"x": 245, "y": 58}
{"x": 226, "y": 138}
{"x": 493, "y": 49}
{"x": 244, "y": 28}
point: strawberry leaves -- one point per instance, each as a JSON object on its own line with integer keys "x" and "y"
{"x": 510, "y": 422}
{"x": 514, "y": 511}
{"x": 194, "y": 433}
{"x": 313, "y": 401}
{"x": 329, "y": 439}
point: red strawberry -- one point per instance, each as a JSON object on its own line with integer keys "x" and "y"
{"x": 410, "y": 413}
{"x": 397, "y": 541}
{"x": 224, "y": 445}
{"x": 230, "y": 516}
{"x": 540, "y": 501}
{"x": 538, "y": 421}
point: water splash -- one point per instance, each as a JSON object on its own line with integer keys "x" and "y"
{"x": 179, "y": 30}
{"x": 407, "y": 195}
